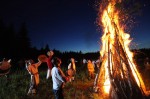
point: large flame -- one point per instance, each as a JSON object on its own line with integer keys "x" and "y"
{"x": 113, "y": 28}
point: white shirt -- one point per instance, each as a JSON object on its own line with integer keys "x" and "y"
{"x": 56, "y": 78}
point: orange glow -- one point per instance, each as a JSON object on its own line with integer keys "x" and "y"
{"x": 113, "y": 32}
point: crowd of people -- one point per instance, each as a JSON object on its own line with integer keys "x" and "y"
{"x": 54, "y": 72}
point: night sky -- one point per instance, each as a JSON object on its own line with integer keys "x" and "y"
{"x": 141, "y": 31}
{"x": 67, "y": 25}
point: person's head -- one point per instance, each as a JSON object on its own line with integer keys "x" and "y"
{"x": 50, "y": 53}
{"x": 30, "y": 61}
{"x": 89, "y": 61}
{"x": 72, "y": 60}
{"x": 5, "y": 59}
{"x": 56, "y": 61}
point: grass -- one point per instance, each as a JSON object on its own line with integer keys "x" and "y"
{"x": 17, "y": 84}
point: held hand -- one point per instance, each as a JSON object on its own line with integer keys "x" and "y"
{"x": 63, "y": 84}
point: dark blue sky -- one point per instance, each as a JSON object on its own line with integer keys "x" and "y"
{"x": 66, "y": 25}
{"x": 141, "y": 30}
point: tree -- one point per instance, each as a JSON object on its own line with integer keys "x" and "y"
{"x": 9, "y": 46}
{"x": 47, "y": 47}
{"x": 2, "y": 37}
{"x": 23, "y": 42}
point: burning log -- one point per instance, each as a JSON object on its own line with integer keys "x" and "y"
{"x": 118, "y": 76}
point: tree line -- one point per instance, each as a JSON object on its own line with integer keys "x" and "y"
{"x": 17, "y": 46}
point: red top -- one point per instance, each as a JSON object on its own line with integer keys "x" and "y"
{"x": 49, "y": 63}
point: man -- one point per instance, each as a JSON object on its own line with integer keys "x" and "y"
{"x": 57, "y": 79}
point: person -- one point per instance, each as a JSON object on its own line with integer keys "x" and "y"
{"x": 147, "y": 63}
{"x": 98, "y": 65}
{"x": 72, "y": 69}
{"x": 60, "y": 70}
{"x": 90, "y": 68}
{"x": 5, "y": 65}
{"x": 84, "y": 62}
{"x": 49, "y": 63}
{"x": 32, "y": 68}
{"x": 57, "y": 79}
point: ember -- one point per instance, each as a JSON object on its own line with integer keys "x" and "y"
{"x": 118, "y": 76}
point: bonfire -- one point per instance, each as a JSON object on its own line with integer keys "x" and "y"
{"x": 118, "y": 77}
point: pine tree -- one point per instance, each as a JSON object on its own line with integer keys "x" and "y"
{"x": 23, "y": 42}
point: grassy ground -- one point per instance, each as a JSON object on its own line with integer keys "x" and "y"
{"x": 17, "y": 85}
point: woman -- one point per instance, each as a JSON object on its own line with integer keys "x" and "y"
{"x": 71, "y": 69}
{"x": 90, "y": 68}
{"x": 33, "y": 71}
{"x": 49, "y": 63}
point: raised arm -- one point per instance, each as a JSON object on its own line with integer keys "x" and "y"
{"x": 38, "y": 64}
